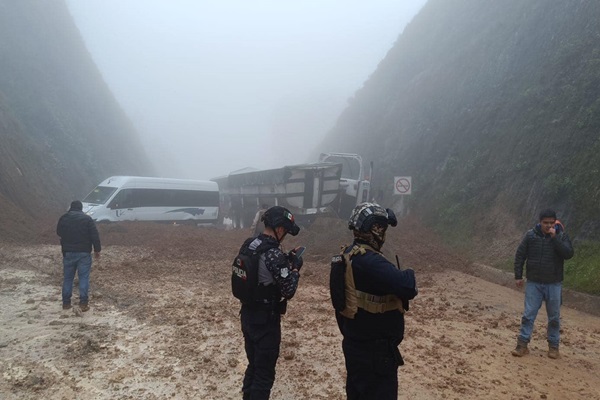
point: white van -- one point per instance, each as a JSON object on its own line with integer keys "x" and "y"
{"x": 135, "y": 198}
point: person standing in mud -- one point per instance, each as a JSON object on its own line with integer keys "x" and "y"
{"x": 277, "y": 275}
{"x": 257, "y": 226}
{"x": 236, "y": 211}
{"x": 78, "y": 234}
{"x": 370, "y": 295}
{"x": 544, "y": 248}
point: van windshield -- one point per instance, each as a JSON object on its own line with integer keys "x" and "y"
{"x": 100, "y": 195}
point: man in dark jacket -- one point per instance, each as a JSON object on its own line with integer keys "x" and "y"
{"x": 544, "y": 248}
{"x": 278, "y": 276}
{"x": 377, "y": 295}
{"x": 78, "y": 234}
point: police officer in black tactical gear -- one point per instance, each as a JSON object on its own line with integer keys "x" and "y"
{"x": 278, "y": 276}
{"x": 376, "y": 296}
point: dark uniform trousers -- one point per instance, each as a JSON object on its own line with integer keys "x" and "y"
{"x": 261, "y": 327}
{"x": 372, "y": 369}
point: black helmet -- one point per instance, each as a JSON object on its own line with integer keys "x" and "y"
{"x": 280, "y": 216}
{"x": 365, "y": 215}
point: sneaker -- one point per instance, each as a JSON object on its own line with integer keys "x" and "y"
{"x": 520, "y": 350}
{"x": 553, "y": 352}
{"x": 66, "y": 306}
{"x": 84, "y": 307}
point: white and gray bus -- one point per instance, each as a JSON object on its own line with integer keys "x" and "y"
{"x": 136, "y": 198}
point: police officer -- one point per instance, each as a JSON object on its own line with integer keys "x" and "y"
{"x": 379, "y": 292}
{"x": 278, "y": 275}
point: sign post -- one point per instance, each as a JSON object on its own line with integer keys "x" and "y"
{"x": 402, "y": 187}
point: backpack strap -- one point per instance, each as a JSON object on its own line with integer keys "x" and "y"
{"x": 265, "y": 293}
{"x": 349, "y": 287}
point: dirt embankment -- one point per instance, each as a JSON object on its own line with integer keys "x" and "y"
{"x": 163, "y": 324}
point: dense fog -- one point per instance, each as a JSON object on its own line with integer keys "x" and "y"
{"x": 217, "y": 86}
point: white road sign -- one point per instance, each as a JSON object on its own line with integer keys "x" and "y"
{"x": 402, "y": 185}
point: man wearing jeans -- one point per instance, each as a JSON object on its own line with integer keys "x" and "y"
{"x": 544, "y": 248}
{"x": 78, "y": 234}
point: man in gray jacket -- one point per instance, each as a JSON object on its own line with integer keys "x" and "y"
{"x": 78, "y": 234}
{"x": 545, "y": 247}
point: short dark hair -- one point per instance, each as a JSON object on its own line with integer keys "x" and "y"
{"x": 547, "y": 213}
{"x": 76, "y": 205}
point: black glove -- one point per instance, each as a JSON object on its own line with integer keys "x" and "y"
{"x": 411, "y": 290}
{"x": 296, "y": 261}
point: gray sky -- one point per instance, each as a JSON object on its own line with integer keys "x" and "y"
{"x": 214, "y": 86}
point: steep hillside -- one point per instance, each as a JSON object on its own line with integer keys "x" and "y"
{"x": 61, "y": 130}
{"x": 493, "y": 108}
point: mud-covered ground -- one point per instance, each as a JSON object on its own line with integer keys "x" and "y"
{"x": 163, "y": 324}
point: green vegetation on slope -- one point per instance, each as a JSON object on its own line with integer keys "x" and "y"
{"x": 493, "y": 108}
{"x": 582, "y": 272}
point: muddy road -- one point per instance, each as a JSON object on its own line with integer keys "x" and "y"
{"x": 163, "y": 324}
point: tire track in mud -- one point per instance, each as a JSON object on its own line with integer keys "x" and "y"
{"x": 163, "y": 324}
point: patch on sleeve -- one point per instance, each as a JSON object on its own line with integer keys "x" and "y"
{"x": 284, "y": 272}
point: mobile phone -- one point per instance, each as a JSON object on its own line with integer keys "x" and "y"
{"x": 299, "y": 251}
{"x": 558, "y": 228}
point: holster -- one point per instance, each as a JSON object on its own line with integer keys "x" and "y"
{"x": 282, "y": 307}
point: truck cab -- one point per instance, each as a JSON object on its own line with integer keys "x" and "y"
{"x": 354, "y": 184}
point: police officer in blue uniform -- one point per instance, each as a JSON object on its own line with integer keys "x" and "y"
{"x": 278, "y": 276}
{"x": 379, "y": 293}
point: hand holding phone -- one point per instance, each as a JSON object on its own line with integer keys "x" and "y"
{"x": 298, "y": 251}
{"x": 558, "y": 228}
{"x": 295, "y": 257}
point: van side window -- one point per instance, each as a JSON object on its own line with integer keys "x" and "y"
{"x": 124, "y": 199}
{"x": 131, "y": 198}
{"x": 152, "y": 197}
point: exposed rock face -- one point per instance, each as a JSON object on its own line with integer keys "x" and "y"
{"x": 488, "y": 105}
{"x": 61, "y": 130}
